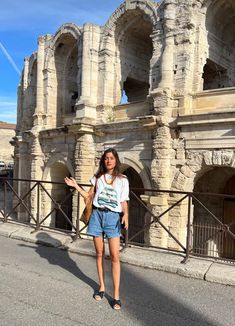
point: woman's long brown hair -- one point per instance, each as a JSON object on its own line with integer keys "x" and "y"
{"x": 102, "y": 169}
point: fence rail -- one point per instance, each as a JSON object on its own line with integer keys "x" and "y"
{"x": 174, "y": 226}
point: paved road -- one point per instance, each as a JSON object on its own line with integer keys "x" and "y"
{"x": 47, "y": 286}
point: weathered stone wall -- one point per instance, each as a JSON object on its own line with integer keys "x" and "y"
{"x": 166, "y": 57}
{"x": 6, "y": 135}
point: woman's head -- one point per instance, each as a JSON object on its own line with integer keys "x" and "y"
{"x": 109, "y": 162}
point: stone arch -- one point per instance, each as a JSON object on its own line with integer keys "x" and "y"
{"x": 68, "y": 28}
{"x": 217, "y": 44}
{"x": 62, "y": 74}
{"x": 201, "y": 169}
{"x": 56, "y": 169}
{"x": 57, "y": 158}
{"x": 199, "y": 163}
{"x": 139, "y": 167}
{"x": 208, "y": 236}
{"x": 138, "y": 178}
{"x": 109, "y": 55}
{"x": 147, "y": 6}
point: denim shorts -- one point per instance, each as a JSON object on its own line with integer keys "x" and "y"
{"x": 104, "y": 222}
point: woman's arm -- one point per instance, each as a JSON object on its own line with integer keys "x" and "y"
{"x": 125, "y": 214}
{"x": 71, "y": 182}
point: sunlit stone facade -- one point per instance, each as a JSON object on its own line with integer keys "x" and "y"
{"x": 175, "y": 63}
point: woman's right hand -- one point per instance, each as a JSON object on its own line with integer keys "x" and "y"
{"x": 71, "y": 182}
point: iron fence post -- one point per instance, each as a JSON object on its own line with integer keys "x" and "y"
{"x": 126, "y": 231}
{"x": 38, "y": 207}
{"x": 188, "y": 237}
{"x": 77, "y": 234}
{"x": 5, "y": 201}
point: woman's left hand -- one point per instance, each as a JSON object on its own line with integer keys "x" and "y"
{"x": 125, "y": 221}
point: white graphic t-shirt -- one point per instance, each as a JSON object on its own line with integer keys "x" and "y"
{"x": 110, "y": 195}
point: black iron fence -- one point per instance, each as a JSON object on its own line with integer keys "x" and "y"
{"x": 200, "y": 224}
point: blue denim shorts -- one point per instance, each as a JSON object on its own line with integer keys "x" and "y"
{"x": 104, "y": 223}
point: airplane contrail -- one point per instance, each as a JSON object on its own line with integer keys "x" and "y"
{"x": 10, "y": 59}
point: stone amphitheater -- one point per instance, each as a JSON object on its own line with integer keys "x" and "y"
{"x": 157, "y": 83}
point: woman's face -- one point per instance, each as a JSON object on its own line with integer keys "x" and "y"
{"x": 109, "y": 162}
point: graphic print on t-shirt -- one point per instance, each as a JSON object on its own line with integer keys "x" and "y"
{"x": 108, "y": 197}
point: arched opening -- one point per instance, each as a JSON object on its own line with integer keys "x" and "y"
{"x": 58, "y": 171}
{"x": 68, "y": 76}
{"x": 208, "y": 236}
{"x": 134, "y": 52}
{"x": 220, "y": 25}
{"x": 136, "y": 210}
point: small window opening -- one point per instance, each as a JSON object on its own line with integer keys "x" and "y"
{"x": 124, "y": 99}
{"x": 73, "y": 101}
{"x": 215, "y": 76}
{"x": 135, "y": 90}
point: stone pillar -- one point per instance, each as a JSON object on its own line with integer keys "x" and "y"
{"x": 155, "y": 235}
{"x": 25, "y": 74}
{"x": 161, "y": 163}
{"x": 84, "y": 160}
{"x": 19, "y": 109}
{"x": 21, "y": 171}
{"x": 163, "y": 103}
{"x": 22, "y": 100}
{"x": 109, "y": 77}
{"x": 162, "y": 142}
{"x": 155, "y": 71}
{"x": 167, "y": 60}
{"x": 178, "y": 220}
{"x": 39, "y": 110}
{"x": 201, "y": 48}
{"x": 17, "y": 172}
{"x": 86, "y": 105}
{"x": 37, "y": 165}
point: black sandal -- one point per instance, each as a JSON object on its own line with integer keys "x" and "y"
{"x": 98, "y": 295}
{"x": 116, "y": 304}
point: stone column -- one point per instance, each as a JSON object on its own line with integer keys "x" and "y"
{"x": 25, "y": 74}
{"x": 21, "y": 171}
{"x": 178, "y": 220}
{"x": 37, "y": 165}
{"x": 155, "y": 235}
{"x": 84, "y": 161}
{"x": 22, "y": 98}
{"x": 39, "y": 110}
{"x": 167, "y": 59}
{"x": 162, "y": 143}
{"x": 109, "y": 77}
{"x": 86, "y": 105}
{"x": 161, "y": 163}
{"x": 19, "y": 109}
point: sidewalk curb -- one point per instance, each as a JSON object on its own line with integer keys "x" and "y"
{"x": 197, "y": 268}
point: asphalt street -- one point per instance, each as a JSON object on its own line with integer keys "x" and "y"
{"x": 47, "y": 286}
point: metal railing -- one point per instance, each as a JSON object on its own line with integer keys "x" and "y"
{"x": 42, "y": 204}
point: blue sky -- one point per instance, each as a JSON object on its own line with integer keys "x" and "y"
{"x": 21, "y": 22}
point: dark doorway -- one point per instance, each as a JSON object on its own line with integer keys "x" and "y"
{"x": 60, "y": 220}
{"x": 62, "y": 195}
{"x": 136, "y": 209}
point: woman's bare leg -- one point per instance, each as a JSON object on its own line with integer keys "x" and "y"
{"x": 100, "y": 250}
{"x": 114, "y": 247}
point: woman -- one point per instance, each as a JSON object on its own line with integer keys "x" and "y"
{"x": 111, "y": 193}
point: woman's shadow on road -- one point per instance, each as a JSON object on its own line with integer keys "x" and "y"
{"x": 61, "y": 258}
